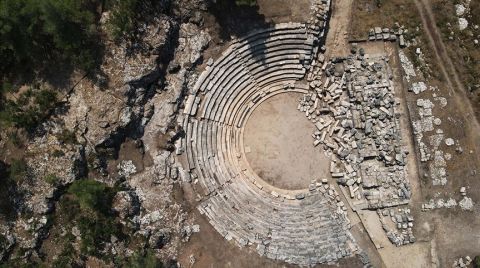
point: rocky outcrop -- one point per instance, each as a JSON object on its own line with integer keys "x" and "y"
{"x": 104, "y": 114}
{"x": 126, "y": 204}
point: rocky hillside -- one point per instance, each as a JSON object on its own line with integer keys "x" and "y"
{"x": 93, "y": 182}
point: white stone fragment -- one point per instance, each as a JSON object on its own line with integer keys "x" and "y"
{"x": 466, "y": 203}
{"x": 459, "y": 10}
{"x": 449, "y": 142}
{"x": 462, "y": 24}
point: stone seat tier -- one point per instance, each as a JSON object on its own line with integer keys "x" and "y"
{"x": 232, "y": 77}
{"x": 256, "y": 67}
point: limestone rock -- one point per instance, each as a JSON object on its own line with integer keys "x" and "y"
{"x": 462, "y": 24}
{"x": 466, "y": 203}
{"x": 126, "y": 204}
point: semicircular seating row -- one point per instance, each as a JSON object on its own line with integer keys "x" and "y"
{"x": 262, "y": 64}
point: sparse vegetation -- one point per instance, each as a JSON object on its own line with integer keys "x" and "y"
{"x": 146, "y": 260}
{"x": 123, "y": 16}
{"x": 464, "y": 53}
{"x": 67, "y": 137}
{"x": 52, "y": 179}
{"x": 246, "y": 2}
{"x": 368, "y": 14}
{"x": 18, "y": 170}
{"x": 8, "y": 177}
{"x": 66, "y": 257}
{"x": 58, "y": 153}
{"x": 88, "y": 203}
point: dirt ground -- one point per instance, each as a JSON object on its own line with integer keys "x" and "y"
{"x": 337, "y": 38}
{"x": 278, "y": 11}
{"x": 279, "y": 144}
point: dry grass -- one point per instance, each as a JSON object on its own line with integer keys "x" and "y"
{"x": 384, "y": 13}
{"x": 368, "y": 14}
{"x": 461, "y": 48}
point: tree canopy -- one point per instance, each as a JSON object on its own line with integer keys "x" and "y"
{"x": 40, "y": 33}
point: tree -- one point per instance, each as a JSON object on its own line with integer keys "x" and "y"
{"x": 41, "y": 33}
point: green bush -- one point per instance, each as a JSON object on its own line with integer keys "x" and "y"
{"x": 87, "y": 205}
{"x": 66, "y": 257}
{"x": 51, "y": 179}
{"x": 29, "y": 109}
{"x": 147, "y": 260}
{"x": 18, "y": 170}
{"x": 92, "y": 195}
{"x": 95, "y": 231}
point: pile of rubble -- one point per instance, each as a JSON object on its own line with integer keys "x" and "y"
{"x": 407, "y": 66}
{"x": 401, "y": 233}
{"x": 320, "y": 10}
{"x": 462, "y": 262}
{"x": 355, "y": 114}
{"x": 386, "y": 34}
{"x": 465, "y": 203}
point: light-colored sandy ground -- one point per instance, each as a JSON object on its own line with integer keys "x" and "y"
{"x": 279, "y": 139}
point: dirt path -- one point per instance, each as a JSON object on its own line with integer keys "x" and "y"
{"x": 455, "y": 88}
{"x": 337, "y": 37}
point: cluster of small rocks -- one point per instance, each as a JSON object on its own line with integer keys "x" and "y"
{"x": 461, "y": 10}
{"x": 432, "y": 147}
{"x": 407, "y": 66}
{"x": 354, "y": 111}
{"x": 418, "y": 87}
{"x": 402, "y": 233}
{"x": 462, "y": 262}
{"x": 320, "y": 10}
{"x": 466, "y": 203}
{"x": 431, "y": 152}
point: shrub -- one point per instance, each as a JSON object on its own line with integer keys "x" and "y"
{"x": 51, "y": 179}
{"x": 88, "y": 204}
{"x": 58, "y": 153}
{"x": 122, "y": 20}
{"x": 91, "y": 195}
{"x": 95, "y": 231}
{"x": 18, "y": 170}
{"x": 29, "y": 109}
{"x": 66, "y": 257}
{"x": 67, "y": 137}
